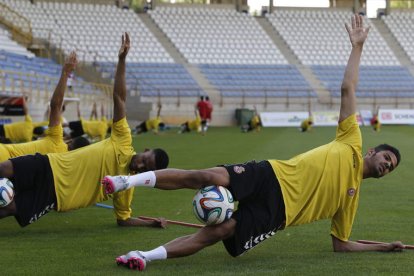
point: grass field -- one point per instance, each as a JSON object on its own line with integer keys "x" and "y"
{"x": 86, "y": 241}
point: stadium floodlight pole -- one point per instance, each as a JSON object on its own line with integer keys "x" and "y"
{"x": 176, "y": 222}
{"x": 407, "y": 246}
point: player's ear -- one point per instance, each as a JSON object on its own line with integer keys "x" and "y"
{"x": 370, "y": 152}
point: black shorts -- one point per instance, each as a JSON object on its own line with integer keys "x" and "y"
{"x": 34, "y": 187}
{"x": 261, "y": 209}
{"x": 76, "y": 129}
{"x": 2, "y": 132}
{"x": 142, "y": 127}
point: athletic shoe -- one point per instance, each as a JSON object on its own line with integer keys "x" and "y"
{"x": 114, "y": 184}
{"x": 132, "y": 260}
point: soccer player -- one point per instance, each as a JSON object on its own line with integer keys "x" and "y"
{"x": 70, "y": 180}
{"x": 93, "y": 128}
{"x": 153, "y": 124}
{"x": 191, "y": 125}
{"x": 53, "y": 140}
{"x": 274, "y": 194}
{"x": 306, "y": 125}
{"x": 19, "y": 132}
{"x": 375, "y": 122}
{"x": 254, "y": 123}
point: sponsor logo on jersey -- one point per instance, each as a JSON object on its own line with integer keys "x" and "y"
{"x": 351, "y": 191}
{"x": 239, "y": 169}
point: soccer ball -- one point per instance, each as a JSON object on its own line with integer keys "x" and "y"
{"x": 213, "y": 205}
{"x": 6, "y": 192}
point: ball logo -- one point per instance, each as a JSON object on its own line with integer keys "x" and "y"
{"x": 238, "y": 169}
{"x": 351, "y": 192}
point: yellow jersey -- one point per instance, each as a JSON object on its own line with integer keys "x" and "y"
{"x": 324, "y": 182}
{"x": 255, "y": 122}
{"x": 20, "y": 131}
{"x": 195, "y": 124}
{"x": 52, "y": 142}
{"x": 77, "y": 173}
{"x": 95, "y": 128}
{"x": 306, "y": 124}
{"x": 152, "y": 124}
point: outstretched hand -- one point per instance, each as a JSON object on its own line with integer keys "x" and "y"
{"x": 123, "y": 51}
{"x": 70, "y": 63}
{"x": 357, "y": 33}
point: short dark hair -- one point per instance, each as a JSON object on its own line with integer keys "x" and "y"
{"x": 79, "y": 142}
{"x": 4, "y": 140}
{"x": 392, "y": 149}
{"x": 161, "y": 159}
{"x": 39, "y": 131}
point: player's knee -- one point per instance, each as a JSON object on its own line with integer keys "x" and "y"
{"x": 6, "y": 169}
{"x": 221, "y": 231}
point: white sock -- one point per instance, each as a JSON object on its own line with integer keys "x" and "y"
{"x": 158, "y": 253}
{"x": 146, "y": 179}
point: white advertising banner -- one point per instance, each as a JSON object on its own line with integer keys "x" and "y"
{"x": 366, "y": 116}
{"x": 283, "y": 119}
{"x": 325, "y": 118}
{"x": 396, "y": 116}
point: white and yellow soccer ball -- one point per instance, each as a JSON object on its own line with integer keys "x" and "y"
{"x": 6, "y": 192}
{"x": 213, "y": 205}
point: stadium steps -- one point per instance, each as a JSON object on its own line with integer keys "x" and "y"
{"x": 392, "y": 42}
{"x": 323, "y": 94}
{"x": 178, "y": 58}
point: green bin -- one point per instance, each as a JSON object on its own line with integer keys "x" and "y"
{"x": 243, "y": 115}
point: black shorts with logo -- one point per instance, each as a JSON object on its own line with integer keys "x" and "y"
{"x": 261, "y": 209}
{"x": 34, "y": 188}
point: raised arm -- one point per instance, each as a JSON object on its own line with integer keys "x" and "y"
{"x": 78, "y": 110}
{"x": 119, "y": 94}
{"x": 357, "y": 35}
{"x": 25, "y": 108}
{"x": 94, "y": 112}
{"x": 102, "y": 111}
{"x": 159, "y": 110}
{"x": 57, "y": 98}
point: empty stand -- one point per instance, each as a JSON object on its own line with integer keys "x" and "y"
{"x": 401, "y": 25}
{"x": 257, "y": 80}
{"x": 216, "y": 35}
{"x": 156, "y": 79}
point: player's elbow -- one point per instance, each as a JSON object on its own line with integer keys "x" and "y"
{"x": 347, "y": 88}
{"x": 339, "y": 245}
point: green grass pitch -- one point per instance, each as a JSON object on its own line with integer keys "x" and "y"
{"x": 86, "y": 241}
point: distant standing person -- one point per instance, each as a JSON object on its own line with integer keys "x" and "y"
{"x": 209, "y": 110}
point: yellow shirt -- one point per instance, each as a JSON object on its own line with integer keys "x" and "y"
{"x": 20, "y": 131}
{"x": 324, "y": 182}
{"x": 305, "y": 125}
{"x": 95, "y": 128}
{"x": 255, "y": 122}
{"x": 153, "y": 124}
{"x": 52, "y": 142}
{"x": 77, "y": 173}
{"x": 195, "y": 124}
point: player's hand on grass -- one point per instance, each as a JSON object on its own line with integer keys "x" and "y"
{"x": 160, "y": 222}
{"x": 396, "y": 246}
